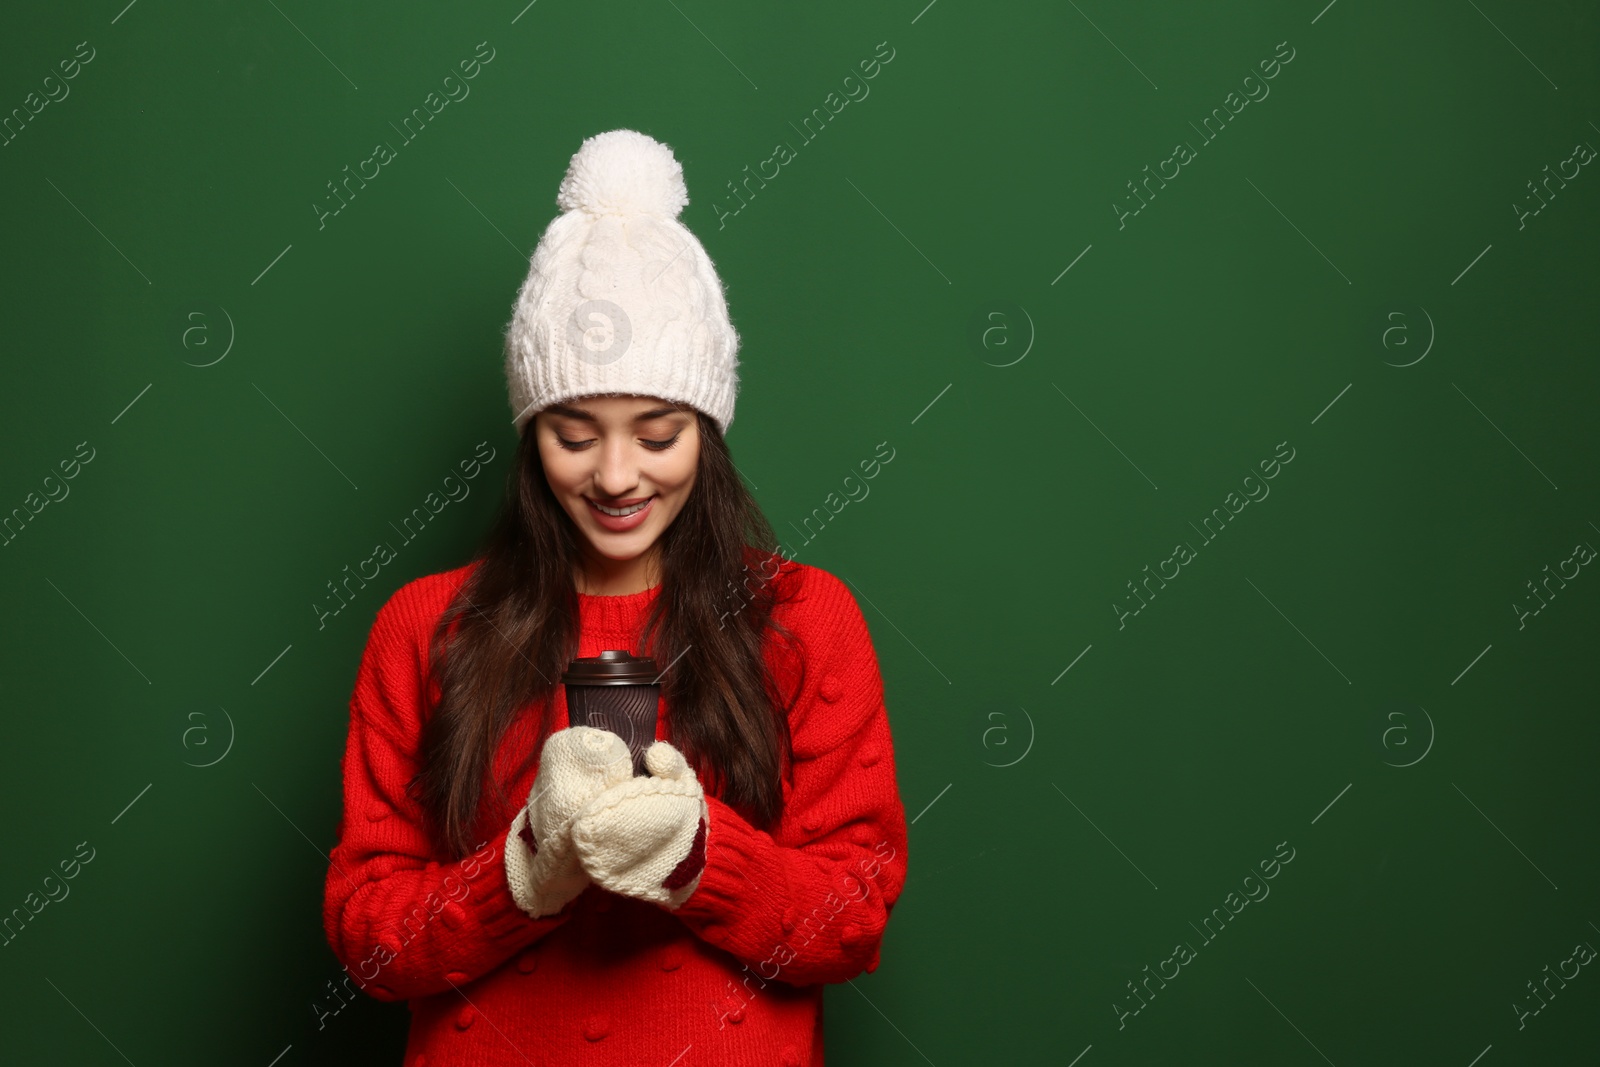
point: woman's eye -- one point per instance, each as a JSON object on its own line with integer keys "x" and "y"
{"x": 654, "y": 446}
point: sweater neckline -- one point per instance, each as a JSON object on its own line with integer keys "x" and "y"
{"x": 620, "y": 596}
{"x": 617, "y": 614}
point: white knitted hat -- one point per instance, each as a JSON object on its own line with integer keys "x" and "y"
{"x": 620, "y": 297}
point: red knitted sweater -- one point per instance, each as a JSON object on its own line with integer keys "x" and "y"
{"x": 733, "y": 977}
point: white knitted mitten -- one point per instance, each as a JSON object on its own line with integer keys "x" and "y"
{"x": 576, "y": 765}
{"x": 646, "y": 837}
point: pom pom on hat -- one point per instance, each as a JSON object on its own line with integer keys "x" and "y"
{"x": 624, "y": 172}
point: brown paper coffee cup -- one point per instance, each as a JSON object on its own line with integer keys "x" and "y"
{"x": 616, "y": 691}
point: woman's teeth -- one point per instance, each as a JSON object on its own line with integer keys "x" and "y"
{"x": 620, "y": 512}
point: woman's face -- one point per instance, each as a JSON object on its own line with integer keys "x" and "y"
{"x": 633, "y": 454}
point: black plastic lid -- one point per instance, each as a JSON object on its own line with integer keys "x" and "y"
{"x": 612, "y": 667}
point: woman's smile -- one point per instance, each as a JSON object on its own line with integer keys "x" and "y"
{"x": 618, "y": 520}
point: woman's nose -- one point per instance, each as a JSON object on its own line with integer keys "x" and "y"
{"x": 618, "y": 472}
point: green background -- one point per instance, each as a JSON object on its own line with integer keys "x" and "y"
{"x": 263, "y": 397}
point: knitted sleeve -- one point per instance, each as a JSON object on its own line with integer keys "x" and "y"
{"x": 402, "y": 922}
{"x": 809, "y": 902}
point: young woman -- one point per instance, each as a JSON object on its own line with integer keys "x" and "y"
{"x": 505, "y": 872}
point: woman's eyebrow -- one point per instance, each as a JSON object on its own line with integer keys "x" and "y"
{"x": 589, "y": 416}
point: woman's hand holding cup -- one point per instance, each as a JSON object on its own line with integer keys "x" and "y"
{"x": 576, "y": 765}
{"x": 646, "y": 837}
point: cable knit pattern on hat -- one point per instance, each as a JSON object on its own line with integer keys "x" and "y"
{"x": 620, "y": 297}
{"x": 735, "y": 971}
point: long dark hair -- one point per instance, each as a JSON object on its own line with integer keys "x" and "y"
{"x": 501, "y": 646}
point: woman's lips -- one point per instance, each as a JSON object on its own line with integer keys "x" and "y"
{"x": 620, "y": 524}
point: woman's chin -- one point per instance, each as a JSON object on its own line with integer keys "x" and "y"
{"x": 619, "y": 548}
